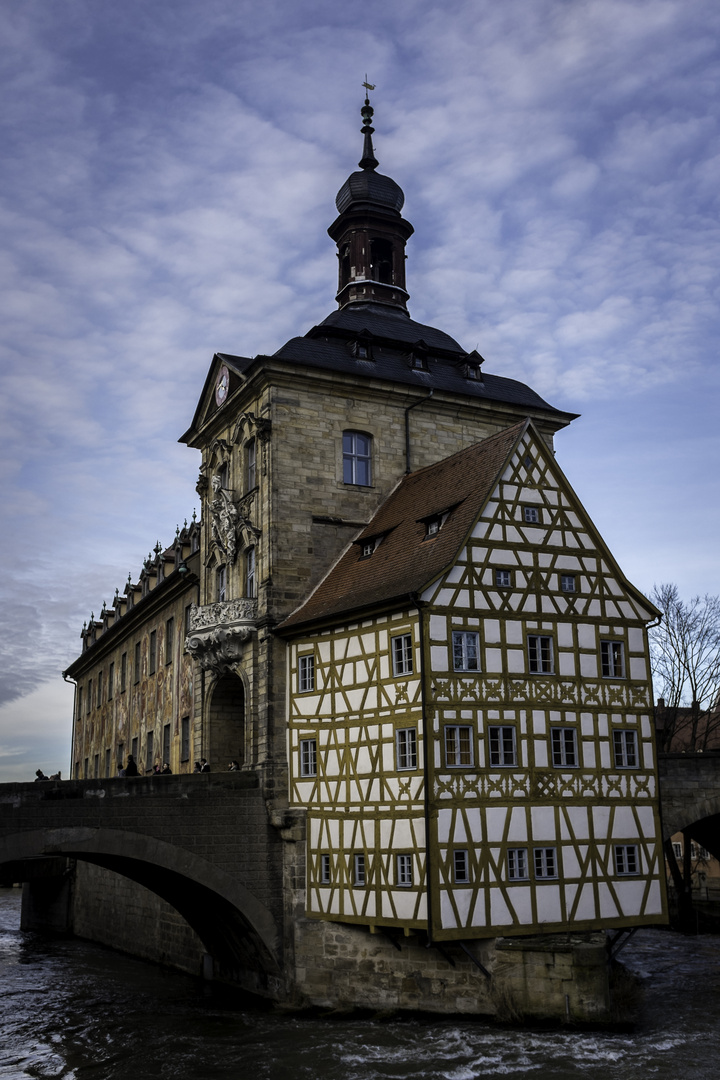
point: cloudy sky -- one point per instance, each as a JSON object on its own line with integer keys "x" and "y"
{"x": 168, "y": 172}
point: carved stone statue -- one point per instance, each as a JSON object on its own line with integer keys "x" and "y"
{"x": 225, "y": 518}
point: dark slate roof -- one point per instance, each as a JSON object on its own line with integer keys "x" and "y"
{"x": 406, "y": 562}
{"x": 369, "y": 186}
{"x": 392, "y": 336}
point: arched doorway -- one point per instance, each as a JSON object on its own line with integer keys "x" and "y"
{"x": 226, "y": 723}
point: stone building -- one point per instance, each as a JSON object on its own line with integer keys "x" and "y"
{"x": 307, "y": 459}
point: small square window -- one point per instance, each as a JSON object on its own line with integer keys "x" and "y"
{"x": 432, "y": 527}
{"x": 404, "y": 874}
{"x": 564, "y": 747}
{"x": 359, "y": 875}
{"x": 306, "y": 674}
{"x": 503, "y": 752}
{"x": 531, "y": 515}
{"x": 368, "y": 548}
{"x": 466, "y": 650}
{"x": 402, "y": 655}
{"x": 406, "y": 746}
{"x": 308, "y": 757}
{"x": 625, "y": 748}
{"x": 626, "y": 859}
{"x": 517, "y": 862}
{"x": 545, "y": 862}
{"x": 461, "y": 872}
{"x": 503, "y": 579}
{"x": 567, "y": 583}
{"x": 324, "y": 869}
{"x": 458, "y": 745}
{"x": 540, "y": 654}
{"x": 612, "y": 657}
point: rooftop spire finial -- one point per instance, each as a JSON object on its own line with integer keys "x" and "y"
{"x": 368, "y": 160}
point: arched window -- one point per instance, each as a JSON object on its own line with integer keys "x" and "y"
{"x": 381, "y": 261}
{"x": 357, "y": 453}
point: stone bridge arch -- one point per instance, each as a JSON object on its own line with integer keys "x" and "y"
{"x": 690, "y": 797}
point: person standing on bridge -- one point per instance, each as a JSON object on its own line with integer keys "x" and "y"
{"x": 131, "y": 768}
{"x": 204, "y": 767}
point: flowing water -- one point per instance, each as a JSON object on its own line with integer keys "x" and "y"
{"x": 75, "y": 1010}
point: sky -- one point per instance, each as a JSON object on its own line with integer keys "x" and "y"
{"x": 168, "y": 174}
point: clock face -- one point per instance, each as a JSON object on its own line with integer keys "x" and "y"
{"x": 222, "y": 385}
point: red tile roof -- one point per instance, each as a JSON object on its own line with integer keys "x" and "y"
{"x": 406, "y": 562}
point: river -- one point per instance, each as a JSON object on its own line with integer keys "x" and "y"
{"x": 74, "y": 1010}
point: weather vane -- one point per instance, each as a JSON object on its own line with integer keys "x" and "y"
{"x": 368, "y": 86}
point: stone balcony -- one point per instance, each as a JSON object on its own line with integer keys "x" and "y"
{"x": 219, "y": 631}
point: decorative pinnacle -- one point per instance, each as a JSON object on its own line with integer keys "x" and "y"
{"x": 368, "y": 160}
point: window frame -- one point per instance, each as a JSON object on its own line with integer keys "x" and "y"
{"x": 251, "y": 464}
{"x": 564, "y": 579}
{"x": 308, "y": 757}
{"x": 497, "y": 753}
{"x": 169, "y": 639}
{"x": 453, "y": 741}
{"x": 251, "y": 573}
{"x": 359, "y": 870}
{"x": 608, "y": 659}
{"x": 325, "y": 877}
{"x": 462, "y": 638}
{"x": 402, "y": 655}
{"x": 625, "y": 739}
{"x": 152, "y": 653}
{"x": 406, "y": 756}
{"x": 185, "y": 738}
{"x": 221, "y": 583}
{"x": 545, "y": 863}
{"x": 532, "y": 515}
{"x": 627, "y": 860}
{"x": 111, "y": 680}
{"x": 357, "y": 458}
{"x": 499, "y": 573}
{"x": 461, "y": 866}
{"x": 306, "y": 673}
{"x": 539, "y": 659}
{"x": 559, "y": 747}
{"x": 517, "y": 864}
{"x": 404, "y": 870}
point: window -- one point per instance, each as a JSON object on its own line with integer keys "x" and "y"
{"x": 96, "y": 767}
{"x": 89, "y": 696}
{"x": 626, "y": 859}
{"x": 138, "y": 659}
{"x": 111, "y": 680}
{"x": 517, "y": 864}
{"x": 567, "y": 583}
{"x": 406, "y": 747}
{"x": 367, "y": 548}
{"x": 306, "y": 673}
{"x": 361, "y": 350}
{"x": 152, "y": 654}
{"x": 540, "y": 654}
{"x": 169, "y": 635}
{"x": 250, "y": 588}
{"x": 149, "y": 751}
{"x": 402, "y": 655}
{"x": 324, "y": 869}
{"x": 86, "y": 768}
{"x": 251, "y": 464}
{"x": 625, "y": 748}
{"x": 123, "y": 672}
{"x": 403, "y": 871}
{"x": 99, "y": 688}
{"x": 308, "y": 757}
{"x": 545, "y": 862}
{"x": 121, "y": 756}
{"x": 564, "y": 747}
{"x": 502, "y": 745}
{"x": 185, "y": 738}
{"x": 503, "y": 579}
{"x": 461, "y": 872}
{"x": 677, "y": 851}
{"x": 466, "y": 650}
{"x": 79, "y": 702}
{"x": 359, "y": 870}
{"x": 108, "y": 761}
{"x": 166, "y": 744}
{"x": 458, "y": 745}
{"x": 222, "y": 474}
{"x": 220, "y": 584}
{"x": 531, "y": 515}
{"x": 612, "y": 659}
{"x": 134, "y": 749}
{"x": 188, "y": 621}
{"x": 693, "y": 851}
{"x": 434, "y": 525}
{"x": 356, "y": 458}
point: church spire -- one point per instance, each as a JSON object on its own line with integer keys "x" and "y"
{"x": 370, "y": 231}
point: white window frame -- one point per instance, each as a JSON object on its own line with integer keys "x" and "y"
{"x": 627, "y": 860}
{"x": 404, "y": 871}
{"x": 517, "y": 864}
{"x": 503, "y": 579}
{"x": 406, "y": 749}
{"x": 612, "y": 659}
{"x": 325, "y": 877}
{"x": 357, "y": 458}
{"x": 402, "y": 654}
{"x": 564, "y": 748}
{"x": 625, "y": 748}
{"x": 568, "y": 583}
{"x": 545, "y": 862}
{"x": 308, "y": 757}
{"x": 466, "y": 650}
{"x": 306, "y": 673}
{"x": 502, "y": 743}
{"x": 458, "y": 739}
{"x": 461, "y": 866}
{"x": 359, "y": 870}
{"x": 532, "y": 515}
{"x": 541, "y": 654}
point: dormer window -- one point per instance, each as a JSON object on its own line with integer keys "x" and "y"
{"x": 472, "y": 371}
{"x": 362, "y": 349}
{"x": 369, "y": 545}
{"x": 418, "y": 360}
{"x": 434, "y": 524}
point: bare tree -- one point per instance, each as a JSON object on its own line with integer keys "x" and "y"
{"x": 685, "y": 652}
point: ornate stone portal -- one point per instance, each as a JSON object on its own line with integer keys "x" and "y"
{"x": 218, "y": 633}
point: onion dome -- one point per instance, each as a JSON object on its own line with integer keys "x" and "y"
{"x": 369, "y": 186}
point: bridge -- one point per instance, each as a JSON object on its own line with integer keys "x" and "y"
{"x": 203, "y": 843}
